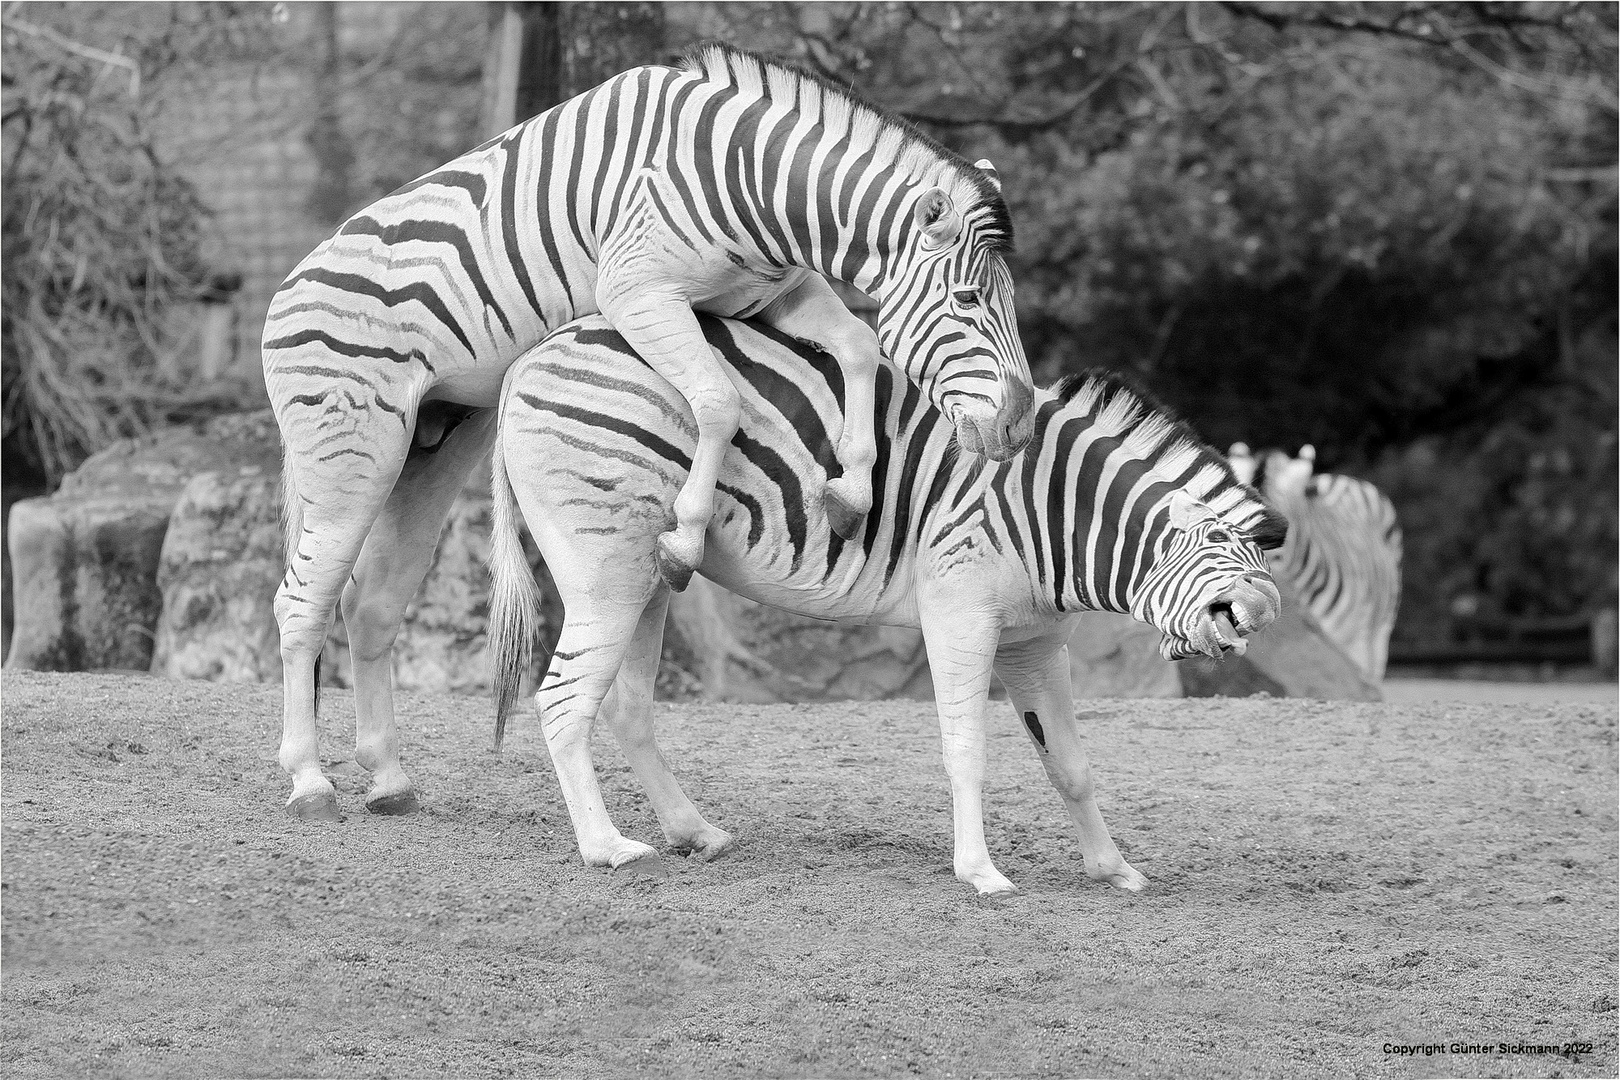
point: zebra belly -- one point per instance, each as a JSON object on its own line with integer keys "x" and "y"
{"x": 856, "y": 600}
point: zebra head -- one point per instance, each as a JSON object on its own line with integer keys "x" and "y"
{"x": 1279, "y": 476}
{"x": 949, "y": 322}
{"x": 1208, "y": 587}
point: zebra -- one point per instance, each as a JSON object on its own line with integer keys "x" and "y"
{"x": 1113, "y": 505}
{"x": 728, "y": 184}
{"x": 1343, "y": 555}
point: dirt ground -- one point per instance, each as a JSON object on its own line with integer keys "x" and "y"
{"x": 1328, "y": 882}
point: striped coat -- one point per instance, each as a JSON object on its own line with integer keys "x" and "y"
{"x": 1343, "y": 555}
{"x": 726, "y": 185}
{"x": 1111, "y": 506}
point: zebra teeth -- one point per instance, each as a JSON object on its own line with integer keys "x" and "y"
{"x": 1227, "y": 631}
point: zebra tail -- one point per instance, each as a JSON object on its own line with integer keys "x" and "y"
{"x": 514, "y": 601}
{"x": 292, "y": 508}
{"x": 292, "y": 524}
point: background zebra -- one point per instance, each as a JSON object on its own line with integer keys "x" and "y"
{"x": 1343, "y": 554}
{"x": 728, "y": 185}
{"x": 1111, "y": 506}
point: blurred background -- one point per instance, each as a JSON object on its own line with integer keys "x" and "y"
{"x": 1386, "y": 230}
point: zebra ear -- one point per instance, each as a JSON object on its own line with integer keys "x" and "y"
{"x": 937, "y": 217}
{"x": 1186, "y": 511}
{"x": 989, "y": 170}
{"x": 1242, "y": 462}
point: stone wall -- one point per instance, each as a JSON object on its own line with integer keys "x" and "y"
{"x": 164, "y": 554}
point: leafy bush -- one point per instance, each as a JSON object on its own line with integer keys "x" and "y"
{"x": 101, "y": 243}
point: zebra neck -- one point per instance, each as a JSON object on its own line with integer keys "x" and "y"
{"x": 860, "y": 232}
{"x": 1085, "y": 534}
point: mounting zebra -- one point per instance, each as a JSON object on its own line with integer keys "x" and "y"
{"x": 730, "y": 185}
{"x": 1112, "y": 506}
{"x": 1343, "y": 554}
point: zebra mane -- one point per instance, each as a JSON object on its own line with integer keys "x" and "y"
{"x": 1149, "y": 429}
{"x": 895, "y": 138}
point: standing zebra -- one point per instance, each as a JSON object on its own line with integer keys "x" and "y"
{"x": 1111, "y": 506}
{"x": 727, "y": 185}
{"x": 1343, "y": 555}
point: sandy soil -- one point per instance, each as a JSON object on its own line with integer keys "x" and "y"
{"x": 1328, "y": 881}
{"x": 1406, "y": 691}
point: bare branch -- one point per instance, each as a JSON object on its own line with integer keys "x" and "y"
{"x": 63, "y": 42}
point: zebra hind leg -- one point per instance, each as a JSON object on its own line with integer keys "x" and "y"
{"x": 593, "y": 642}
{"x": 340, "y": 482}
{"x": 391, "y": 567}
{"x": 629, "y": 712}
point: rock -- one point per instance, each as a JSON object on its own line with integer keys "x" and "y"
{"x": 83, "y": 582}
{"x": 1293, "y": 657}
{"x": 84, "y": 560}
{"x": 218, "y": 574}
{"x": 443, "y": 644}
{"x": 1116, "y": 656}
{"x": 744, "y": 651}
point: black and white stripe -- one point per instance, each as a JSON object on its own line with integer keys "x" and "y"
{"x": 1111, "y": 506}
{"x": 1343, "y": 555}
{"x": 728, "y": 184}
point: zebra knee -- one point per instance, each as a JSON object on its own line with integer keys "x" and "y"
{"x": 857, "y": 351}
{"x": 371, "y": 621}
{"x": 302, "y": 631}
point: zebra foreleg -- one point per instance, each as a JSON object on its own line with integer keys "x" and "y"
{"x": 811, "y": 312}
{"x": 628, "y": 709}
{"x": 664, "y": 332}
{"x": 391, "y": 567}
{"x": 1036, "y": 674}
{"x": 960, "y": 654}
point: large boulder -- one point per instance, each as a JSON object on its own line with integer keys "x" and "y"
{"x": 738, "y": 650}
{"x": 1293, "y": 657}
{"x": 443, "y": 644}
{"x": 1115, "y": 656}
{"x": 85, "y": 559}
{"x": 83, "y": 581}
{"x": 221, "y": 563}
{"x": 164, "y": 554}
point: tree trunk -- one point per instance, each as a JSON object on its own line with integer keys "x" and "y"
{"x": 542, "y": 54}
{"x": 334, "y": 157}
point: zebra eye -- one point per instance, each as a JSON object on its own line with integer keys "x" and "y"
{"x": 1219, "y": 536}
{"x": 966, "y": 297}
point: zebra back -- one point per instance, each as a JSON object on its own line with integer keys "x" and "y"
{"x": 1081, "y": 518}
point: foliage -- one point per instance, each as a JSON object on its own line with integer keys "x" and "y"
{"x": 1380, "y": 228}
{"x": 410, "y": 96}
{"x": 1385, "y": 229}
{"x": 101, "y": 242}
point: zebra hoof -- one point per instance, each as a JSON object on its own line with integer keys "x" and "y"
{"x": 844, "y": 519}
{"x": 395, "y": 805}
{"x": 674, "y": 570}
{"x": 320, "y": 806}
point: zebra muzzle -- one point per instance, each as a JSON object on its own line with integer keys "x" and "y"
{"x": 992, "y": 437}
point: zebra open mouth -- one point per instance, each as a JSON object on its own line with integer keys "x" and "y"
{"x": 1225, "y": 625}
{"x": 1225, "y": 628}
